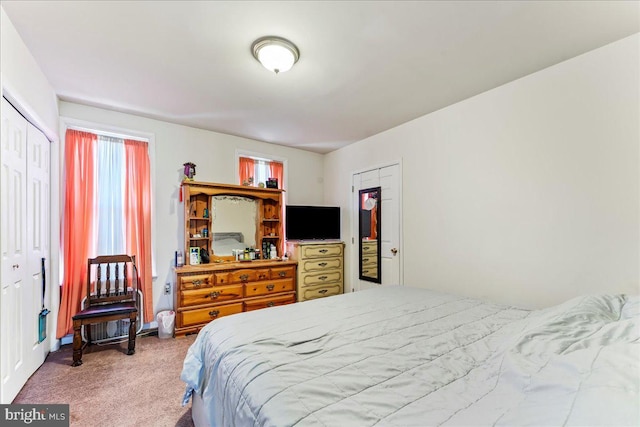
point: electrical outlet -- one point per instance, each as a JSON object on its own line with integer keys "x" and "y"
{"x": 167, "y": 288}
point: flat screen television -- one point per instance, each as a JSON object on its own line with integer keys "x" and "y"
{"x": 312, "y": 222}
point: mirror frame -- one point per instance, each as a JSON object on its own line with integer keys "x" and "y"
{"x": 378, "y": 192}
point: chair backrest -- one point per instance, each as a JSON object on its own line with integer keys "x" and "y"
{"x": 111, "y": 279}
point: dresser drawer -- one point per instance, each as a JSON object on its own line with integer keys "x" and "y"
{"x": 320, "y": 264}
{"x": 259, "y": 303}
{"x": 195, "y": 281}
{"x": 248, "y": 275}
{"x": 268, "y": 287}
{"x": 283, "y": 273}
{"x": 370, "y": 271}
{"x": 370, "y": 260}
{"x": 310, "y": 279}
{"x": 313, "y": 292}
{"x": 222, "y": 278}
{"x": 205, "y": 315}
{"x": 210, "y": 295}
{"x": 370, "y": 247}
{"x": 317, "y": 251}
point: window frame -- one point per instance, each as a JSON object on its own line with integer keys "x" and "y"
{"x": 114, "y": 131}
{"x": 265, "y": 157}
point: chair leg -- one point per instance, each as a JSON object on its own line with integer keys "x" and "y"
{"x": 132, "y": 334}
{"x": 87, "y": 331}
{"x": 77, "y": 343}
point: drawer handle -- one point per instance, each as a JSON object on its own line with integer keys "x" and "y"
{"x": 323, "y": 264}
{"x": 214, "y": 313}
{"x": 197, "y": 283}
{"x": 324, "y": 251}
{"x": 282, "y": 274}
{"x": 365, "y": 259}
{"x": 262, "y": 276}
{"x": 214, "y": 294}
{"x": 323, "y": 291}
{"x": 270, "y": 287}
{"x": 244, "y": 277}
{"x": 271, "y": 304}
{"x": 323, "y": 277}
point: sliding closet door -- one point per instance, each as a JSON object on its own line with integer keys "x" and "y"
{"x": 24, "y": 238}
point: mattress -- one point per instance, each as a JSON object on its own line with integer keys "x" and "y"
{"x": 402, "y": 356}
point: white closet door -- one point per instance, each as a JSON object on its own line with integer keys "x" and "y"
{"x": 37, "y": 232}
{"x": 24, "y": 236}
{"x": 390, "y": 230}
{"x": 388, "y": 179}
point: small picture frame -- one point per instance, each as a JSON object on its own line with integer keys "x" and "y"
{"x": 272, "y": 182}
{"x": 194, "y": 255}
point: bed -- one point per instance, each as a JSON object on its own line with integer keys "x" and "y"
{"x": 225, "y": 242}
{"x": 402, "y": 356}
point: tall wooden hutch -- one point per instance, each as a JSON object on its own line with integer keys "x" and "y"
{"x": 205, "y": 292}
{"x": 197, "y": 200}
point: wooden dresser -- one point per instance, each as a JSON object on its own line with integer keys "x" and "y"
{"x": 369, "y": 258}
{"x": 320, "y": 268}
{"x": 209, "y": 291}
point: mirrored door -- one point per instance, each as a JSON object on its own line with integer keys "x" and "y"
{"x": 369, "y": 235}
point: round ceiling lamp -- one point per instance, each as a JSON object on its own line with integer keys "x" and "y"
{"x": 275, "y": 53}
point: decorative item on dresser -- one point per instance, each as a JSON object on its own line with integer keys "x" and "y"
{"x": 320, "y": 268}
{"x": 222, "y": 221}
{"x": 208, "y": 291}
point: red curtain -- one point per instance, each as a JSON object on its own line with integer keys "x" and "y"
{"x": 374, "y": 222}
{"x": 77, "y": 229}
{"x": 276, "y": 170}
{"x": 137, "y": 207}
{"x": 246, "y": 169}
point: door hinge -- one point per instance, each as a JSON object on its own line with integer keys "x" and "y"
{"x": 352, "y": 189}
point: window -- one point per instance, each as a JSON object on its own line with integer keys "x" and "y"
{"x": 107, "y": 210}
{"x": 255, "y": 171}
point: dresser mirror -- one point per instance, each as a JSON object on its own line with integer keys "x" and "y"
{"x": 369, "y": 238}
{"x": 233, "y": 223}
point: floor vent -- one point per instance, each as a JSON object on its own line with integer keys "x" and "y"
{"x": 115, "y": 329}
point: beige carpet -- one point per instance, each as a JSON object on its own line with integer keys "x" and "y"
{"x": 113, "y": 389}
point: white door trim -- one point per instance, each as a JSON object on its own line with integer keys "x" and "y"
{"x": 23, "y": 107}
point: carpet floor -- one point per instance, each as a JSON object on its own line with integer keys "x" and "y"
{"x": 113, "y": 389}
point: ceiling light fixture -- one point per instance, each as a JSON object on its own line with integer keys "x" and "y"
{"x": 275, "y": 53}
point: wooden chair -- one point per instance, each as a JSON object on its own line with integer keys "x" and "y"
{"x": 112, "y": 288}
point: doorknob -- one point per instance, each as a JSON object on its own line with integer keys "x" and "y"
{"x": 394, "y": 251}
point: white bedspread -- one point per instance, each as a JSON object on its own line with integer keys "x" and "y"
{"x": 400, "y": 356}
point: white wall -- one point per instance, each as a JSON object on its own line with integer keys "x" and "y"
{"x": 24, "y": 84}
{"x": 23, "y": 80}
{"x": 526, "y": 194}
{"x": 214, "y": 156}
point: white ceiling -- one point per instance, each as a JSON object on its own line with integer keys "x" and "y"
{"x": 364, "y": 66}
